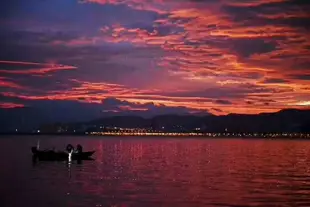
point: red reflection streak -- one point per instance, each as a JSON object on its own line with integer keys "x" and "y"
{"x": 225, "y": 171}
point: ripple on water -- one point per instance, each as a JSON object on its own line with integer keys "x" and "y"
{"x": 159, "y": 172}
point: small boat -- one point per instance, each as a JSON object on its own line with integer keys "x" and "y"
{"x": 69, "y": 154}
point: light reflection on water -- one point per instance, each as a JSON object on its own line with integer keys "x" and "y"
{"x": 158, "y": 172}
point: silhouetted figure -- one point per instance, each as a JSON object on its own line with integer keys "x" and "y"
{"x": 79, "y": 148}
{"x": 34, "y": 150}
{"x": 69, "y": 148}
{"x": 70, "y": 155}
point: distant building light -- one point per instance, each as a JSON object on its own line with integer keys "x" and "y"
{"x": 38, "y": 131}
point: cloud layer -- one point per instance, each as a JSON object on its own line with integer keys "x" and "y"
{"x": 218, "y": 56}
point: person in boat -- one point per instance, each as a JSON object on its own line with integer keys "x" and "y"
{"x": 69, "y": 148}
{"x": 79, "y": 148}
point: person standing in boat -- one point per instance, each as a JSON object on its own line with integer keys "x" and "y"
{"x": 70, "y": 150}
{"x": 79, "y": 148}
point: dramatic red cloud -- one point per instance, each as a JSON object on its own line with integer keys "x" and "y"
{"x": 226, "y": 56}
{"x": 42, "y": 67}
{"x": 97, "y": 92}
{"x": 8, "y": 105}
{"x": 6, "y": 83}
{"x": 252, "y": 3}
{"x": 23, "y": 63}
{"x": 202, "y": 52}
{"x": 129, "y": 108}
{"x": 152, "y": 5}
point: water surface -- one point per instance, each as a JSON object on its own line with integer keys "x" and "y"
{"x": 151, "y": 172}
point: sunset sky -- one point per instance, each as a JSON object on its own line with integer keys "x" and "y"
{"x": 216, "y": 56}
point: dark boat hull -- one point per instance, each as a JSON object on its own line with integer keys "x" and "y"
{"x": 61, "y": 156}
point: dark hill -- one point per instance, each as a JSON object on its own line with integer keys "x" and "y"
{"x": 291, "y": 120}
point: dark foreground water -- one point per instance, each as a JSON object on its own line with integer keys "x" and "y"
{"x": 150, "y": 172}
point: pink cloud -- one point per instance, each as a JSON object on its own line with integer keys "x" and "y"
{"x": 9, "y": 105}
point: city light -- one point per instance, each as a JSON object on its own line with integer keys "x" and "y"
{"x": 219, "y": 135}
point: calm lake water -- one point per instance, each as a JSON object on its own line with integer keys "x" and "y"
{"x": 151, "y": 172}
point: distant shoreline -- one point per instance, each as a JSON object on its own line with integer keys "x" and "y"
{"x": 303, "y": 136}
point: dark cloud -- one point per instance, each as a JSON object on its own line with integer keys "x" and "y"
{"x": 95, "y": 62}
{"x": 34, "y": 37}
{"x": 260, "y": 101}
{"x": 248, "y": 47}
{"x": 240, "y": 91}
{"x": 257, "y": 14}
{"x": 11, "y": 99}
{"x": 224, "y": 102}
{"x": 81, "y": 111}
{"x": 69, "y": 15}
{"x": 300, "y": 77}
{"x": 275, "y": 80}
{"x": 147, "y": 109}
{"x": 217, "y": 109}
